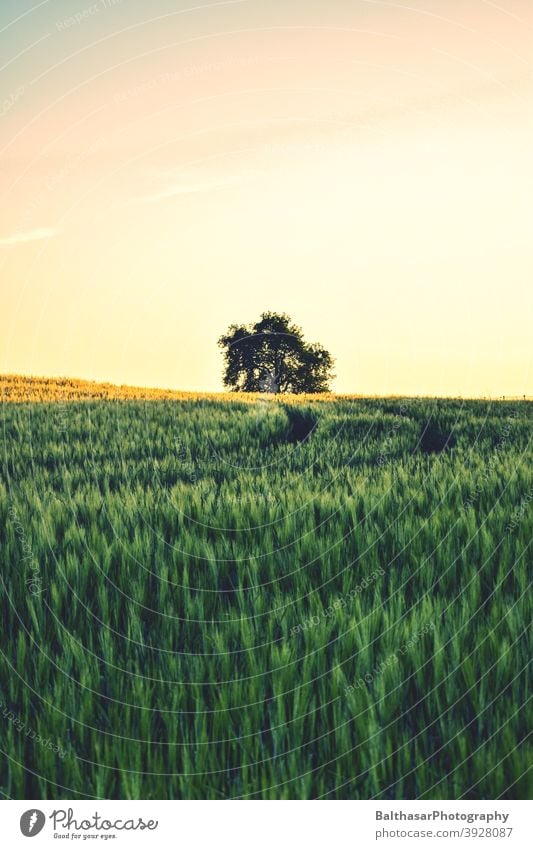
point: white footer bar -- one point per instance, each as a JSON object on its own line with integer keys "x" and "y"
{"x": 267, "y": 825}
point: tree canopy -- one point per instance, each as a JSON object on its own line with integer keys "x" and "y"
{"x": 273, "y": 356}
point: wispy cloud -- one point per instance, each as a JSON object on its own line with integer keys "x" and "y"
{"x": 188, "y": 185}
{"x": 28, "y": 236}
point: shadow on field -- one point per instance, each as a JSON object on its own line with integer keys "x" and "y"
{"x": 434, "y": 439}
{"x": 302, "y": 422}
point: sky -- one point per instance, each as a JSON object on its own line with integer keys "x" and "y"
{"x": 169, "y": 168}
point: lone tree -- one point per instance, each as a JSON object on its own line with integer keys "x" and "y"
{"x": 272, "y": 356}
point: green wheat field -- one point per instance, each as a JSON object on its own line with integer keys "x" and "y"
{"x": 206, "y": 599}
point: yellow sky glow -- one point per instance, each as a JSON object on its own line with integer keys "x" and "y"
{"x": 365, "y": 167}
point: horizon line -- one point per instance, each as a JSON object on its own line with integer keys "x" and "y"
{"x": 228, "y": 393}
